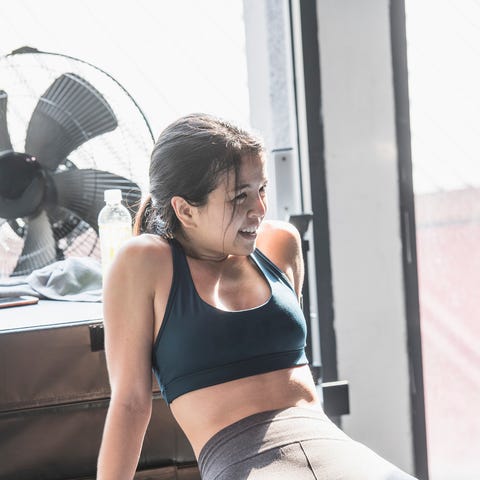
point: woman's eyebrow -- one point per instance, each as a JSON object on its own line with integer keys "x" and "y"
{"x": 248, "y": 185}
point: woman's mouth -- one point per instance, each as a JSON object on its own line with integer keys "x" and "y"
{"x": 249, "y": 232}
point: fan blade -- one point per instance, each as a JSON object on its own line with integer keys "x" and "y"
{"x": 68, "y": 114}
{"x": 39, "y": 247}
{"x": 63, "y": 222}
{"x": 5, "y": 143}
{"x": 81, "y": 191}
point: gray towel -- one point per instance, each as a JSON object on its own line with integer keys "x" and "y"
{"x": 76, "y": 279}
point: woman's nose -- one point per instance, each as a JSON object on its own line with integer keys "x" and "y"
{"x": 258, "y": 207}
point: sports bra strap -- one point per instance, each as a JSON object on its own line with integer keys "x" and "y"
{"x": 266, "y": 264}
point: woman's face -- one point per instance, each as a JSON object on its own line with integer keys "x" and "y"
{"x": 228, "y": 223}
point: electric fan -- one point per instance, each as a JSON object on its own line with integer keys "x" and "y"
{"x": 68, "y": 132}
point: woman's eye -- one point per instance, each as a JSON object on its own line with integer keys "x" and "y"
{"x": 240, "y": 197}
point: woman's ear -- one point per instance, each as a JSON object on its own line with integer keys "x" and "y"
{"x": 184, "y": 211}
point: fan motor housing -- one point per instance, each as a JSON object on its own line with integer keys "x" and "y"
{"x": 22, "y": 185}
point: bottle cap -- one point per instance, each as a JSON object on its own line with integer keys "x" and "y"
{"x": 112, "y": 196}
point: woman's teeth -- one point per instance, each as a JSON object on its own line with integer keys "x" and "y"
{"x": 249, "y": 230}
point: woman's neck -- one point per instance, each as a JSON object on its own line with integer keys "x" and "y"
{"x": 194, "y": 251}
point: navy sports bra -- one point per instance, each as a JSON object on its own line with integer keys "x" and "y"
{"x": 199, "y": 345}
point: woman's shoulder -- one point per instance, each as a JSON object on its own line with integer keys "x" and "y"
{"x": 142, "y": 247}
{"x": 281, "y": 243}
{"x": 278, "y": 225}
{"x": 139, "y": 280}
{"x": 277, "y": 233}
{"x": 142, "y": 257}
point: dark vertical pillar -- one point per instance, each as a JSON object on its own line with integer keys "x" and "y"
{"x": 316, "y": 154}
{"x": 407, "y": 210}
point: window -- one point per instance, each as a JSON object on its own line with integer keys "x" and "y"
{"x": 444, "y": 74}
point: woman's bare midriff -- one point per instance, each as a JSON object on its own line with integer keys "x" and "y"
{"x": 202, "y": 413}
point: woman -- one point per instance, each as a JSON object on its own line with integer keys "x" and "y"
{"x": 208, "y": 297}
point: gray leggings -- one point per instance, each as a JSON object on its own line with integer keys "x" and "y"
{"x": 295, "y": 444}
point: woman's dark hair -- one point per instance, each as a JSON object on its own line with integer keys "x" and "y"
{"x": 188, "y": 160}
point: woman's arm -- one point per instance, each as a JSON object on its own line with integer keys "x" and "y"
{"x": 128, "y": 323}
{"x": 282, "y": 244}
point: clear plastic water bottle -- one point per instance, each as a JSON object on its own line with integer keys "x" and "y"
{"x": 114, "y": 225}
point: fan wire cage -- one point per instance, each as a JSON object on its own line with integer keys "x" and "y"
{"x": 68, "y": 132}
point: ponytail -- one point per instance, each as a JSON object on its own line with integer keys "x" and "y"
{"x": 143, "y": 218}
{"x": 147, "y": 220}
